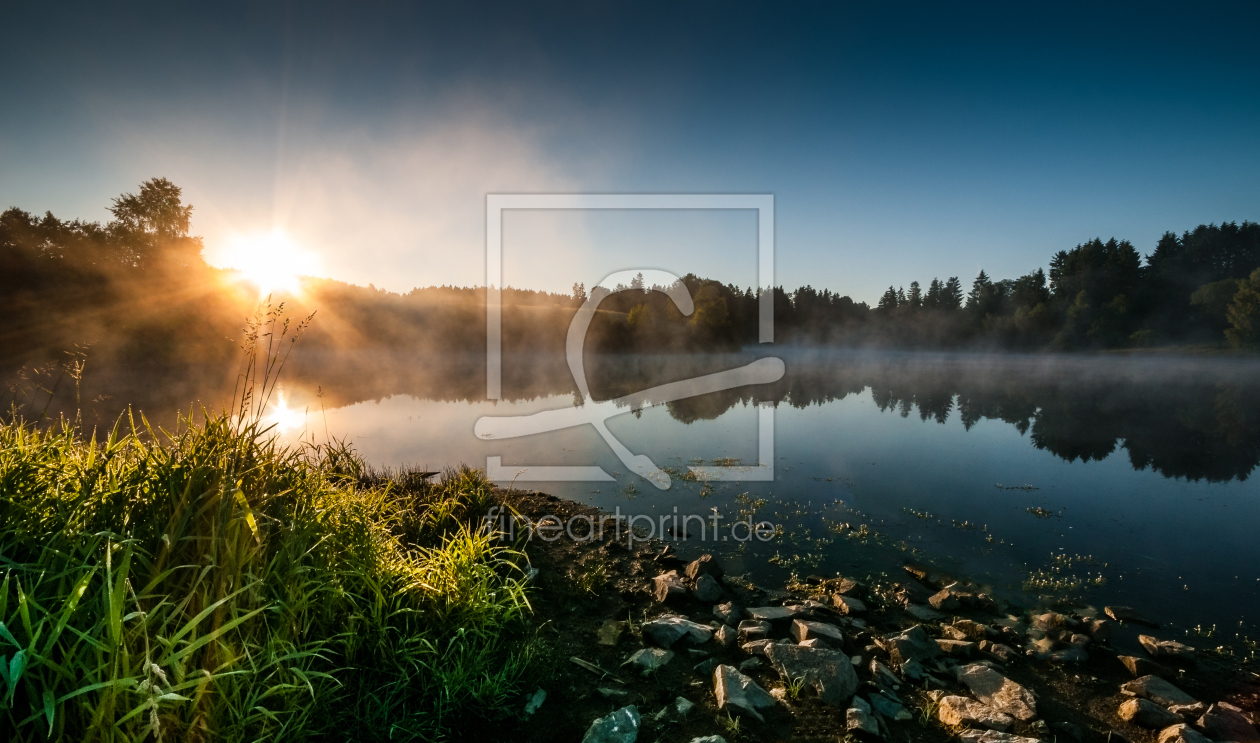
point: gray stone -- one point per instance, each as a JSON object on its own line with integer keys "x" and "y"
{"x": 621, "y": 726}
{"x": 848, "y": 605}
{"x": 668, "y": 587}
{"x": 1224, "y": 721}
{"x": 756, "y": 647}
{"x": 883, "y": 676}
{"x": 1158, "y": 691}
{"x": 859, "y": 717}
{"x": 998, "y": 692}
{"x": 1001, "y": 652}
{"x": 676, "y": 711}
{"x": 1147, "y": 714}
{"x": 614, "y": 695}
{"x": 803, "y": 629}
{"x": 1128, "y": 614}
{"x": 775, "y": 613}
{"x": 751, "y": 664}
{"x": 648, "y": 660}
{"x": 993, "y": 736}
{"x": 728, "y": 613}
{"x": 922, "y": 613}
{"x": 736, "y": 692}
{"x": 669, "y": 629}
{"x": 1139, "y": 666}
{"x": 609, "y": 633}
{"x": 1100, "y": 629}
{"x": 955, "y": 710}
{"x": 829, "y": 671}
{"x": 704, "y": 565}
{"x": 889, "y": 708}
{"x": 708, "y": 739}
{"x": 535, "y": 702}
{"x": 944, "y": 600}
{"x": 812, "y": 642}
{"x": 1182, "y": 734}
{"x": 914, "y": 643}
{"x": 707, "y": 589}
{"x": 705, "y": 667}
{"x": 1167, "y": 649}
{"x": 957, "y": 648}
{"x": 973, "y": 631}
{"x": 913, "y": 669}
{"x": 726, "y": 636}
{"x": 752, "y": 629}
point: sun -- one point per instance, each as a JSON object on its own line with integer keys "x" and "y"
{"x": 283, "y": 417}
{"x": 271, "y": 261}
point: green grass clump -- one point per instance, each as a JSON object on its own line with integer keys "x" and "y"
{"x": 212, "y": 584}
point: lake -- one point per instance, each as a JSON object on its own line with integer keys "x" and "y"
{"x": 1122, "y": 479}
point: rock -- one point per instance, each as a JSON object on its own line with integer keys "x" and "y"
{"x": 752, "y": 629}
{"x": 707, "y": 589}
{"x": 1147, "y": 714}
{"x": 944, "y": 600}
{"x": 848, "y": 605}
{"x": 806, "y": 630}
{"x": 957, "y": 648}
{"x": 668, "y": 587}
{"x": 993, "y": 736}
{"x": 728, "y": 613}
{"x": 828, "y": 671}
{"x": 677, "y": 711}
{"x": 1070, "y": 729}
{"x": 1139, "y": 666}
{"x": 812, "y": 642}
{"x": 914, "y": 643}
{"x": 648, "y": 660}
{"x": 1001, "y": 652}
{"x": 973, "y": 631}
{"x": 1224, "y": 721}
{"x": 756, "y": 647}
{"x": 609, "y": 633}
{"x": 922, "y": 613}
{"x": 726, "y": 636}
{"x": 775, "y": 613}
{"x": 859, "y": 717}
{"x": 535, "y": 702}
{"x": 844, "y": 586}
{"x": 1079, "y": 640}
{"x": 669, "y": 629}
{"x": 1073, "y": 654}
{"x": 708, "y": 739}
{"x": 1157, "y": 690}
{"x": 1100, "y": 629}
{"x": 998, "y": 692}
{"x": 913, "y": 669}
{"x": 704, "y": 565}
{"x": 615, "y": 695}
{"x": 621, "y": 726}
{"x": 698, "y": 653}
{"x": 1188, "y": 710}
{"x": 705, "y": 667}
{"x": 751, "y": 664}
{"x": 1182, "y": 734}
{"x": 1128, "y": 614}
{"x": 736, "y": 692}
{"x": 955, "y": 710}
{"x": 1170, "y": 649}
{"x": 953, "y": 634}
{"x": 889, "y": 708}
{"x": 882, "y": 676}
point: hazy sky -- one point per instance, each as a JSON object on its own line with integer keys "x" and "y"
{"x": 900, "y": 141}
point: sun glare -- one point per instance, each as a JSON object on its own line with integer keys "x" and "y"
{"x": 284, "y": 418}
{"x": 270, "y": 261}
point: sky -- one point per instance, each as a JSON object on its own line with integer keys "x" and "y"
{"x": 900, "y": 141}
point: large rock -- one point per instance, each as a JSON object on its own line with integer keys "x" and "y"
{"x": 704, "y": 565}
{"x": 669, "y": 629}
{"x": 648, "y": 660}
{"x": 736, "y": 692}
{"x": 999, "y": 692}
{"x": 970, "y": 630}
{"x": 1128, "y": 614}
{"x": 726, "y": 636}
{"x": 1147, "y": 714}
{"x": 1224, "y": 721}
{"x": 1167, "y": 649}
{"x": 753, "y": 629}
{"x": 944, "y": 600}
{"x": 914, "y": 643}
{"x": 707, "y": 589}
{"x": 728, "y": 613}
{"x": 830, "y": 672}
{"x": 1139, "y": 666}
{"x": 668, "y": 587}
{"x": 848, "y": 605}
{"x": 859, "y": 717}
{"x": 1182, "y": 734}
{"x": 803, "y": 629}
{"x": 1157, "y": 690}
{"x": 621, "y": 726}
{"x": 955, "y": 710}
{"x": 993, "y": 736}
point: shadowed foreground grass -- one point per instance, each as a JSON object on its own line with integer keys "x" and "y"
{"x": 215, "y": 585}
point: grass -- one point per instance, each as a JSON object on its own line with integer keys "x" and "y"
{"x": 213, "y": 584}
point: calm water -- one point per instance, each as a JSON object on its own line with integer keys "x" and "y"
{"x": 1138, "y": 470}
{"x": 1135, "y": 470}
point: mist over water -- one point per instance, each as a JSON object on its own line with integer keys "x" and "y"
{"x": 1107, "y": 479}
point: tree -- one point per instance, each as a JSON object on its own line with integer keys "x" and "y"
{"x": 952, "y": 294}
{"x": 915, "y": 298}
{"x": 1244, "y": 313}
{"x": 579, "y": 294}
{"x": 933, "y": 298}
{"x": 888, "y": 302}
{"x": 153, "y": 226}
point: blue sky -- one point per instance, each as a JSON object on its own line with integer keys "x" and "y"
{"x": 901, "y": 141}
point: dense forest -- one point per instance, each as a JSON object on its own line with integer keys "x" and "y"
{"x": 137, "y": 290}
